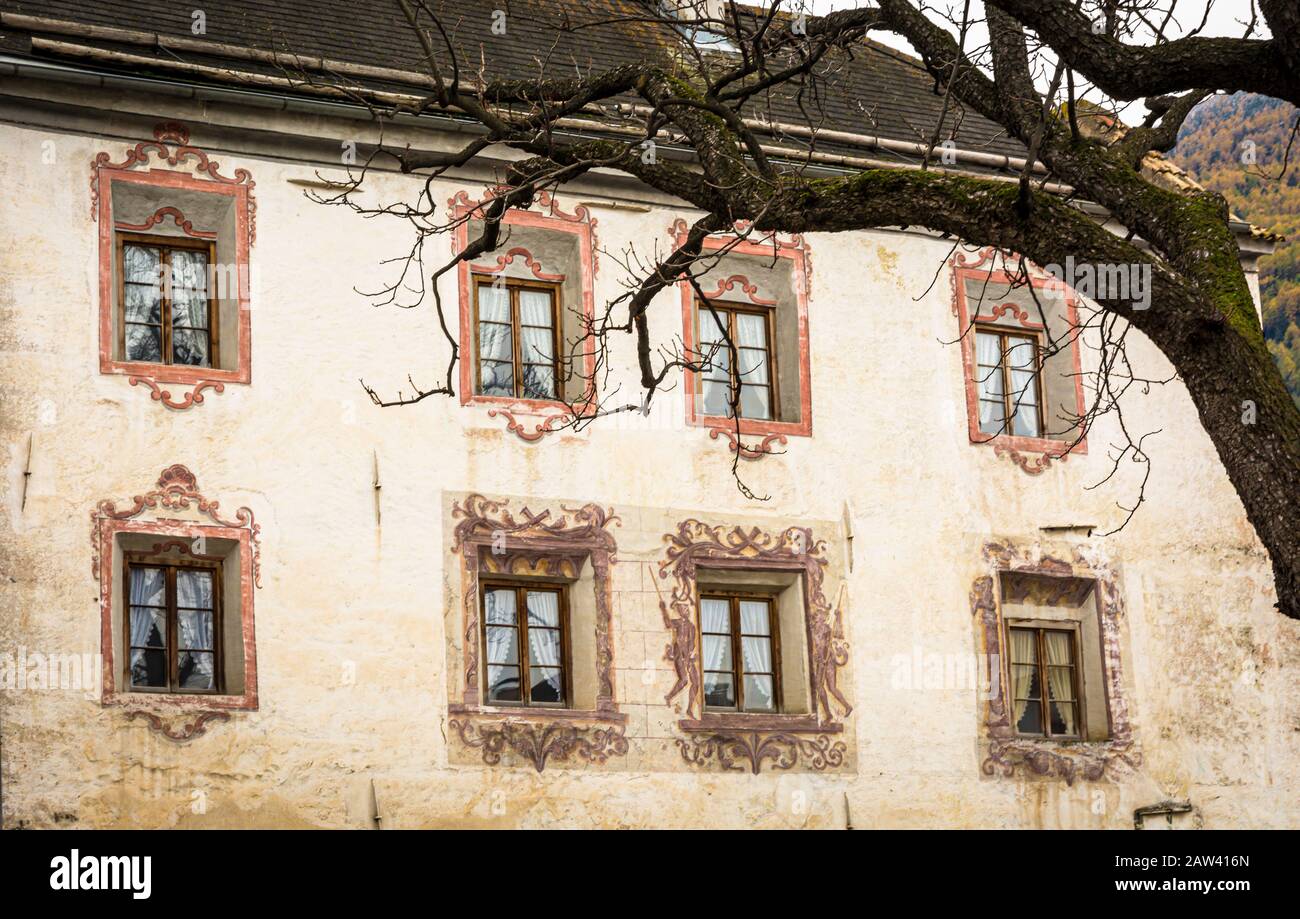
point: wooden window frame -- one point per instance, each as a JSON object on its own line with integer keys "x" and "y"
{"x": 1009, "y": 401}
{"x": 738, "y": 672}
{"x": 171, "y": 565}
{"x": 1039, "y": 627}
{"x": 521, "y": 588}
{"x": 124, "y": 238}
{"x": 513, "y": 286}
{"x": 730, "y": 309}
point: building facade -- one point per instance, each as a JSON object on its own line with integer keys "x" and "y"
{"x": 237, "y": 593}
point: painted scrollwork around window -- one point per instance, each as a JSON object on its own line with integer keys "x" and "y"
{"x": 1056, "y": 581}
{"x": 735, "y": 741}
{"x": 493, "y": 541}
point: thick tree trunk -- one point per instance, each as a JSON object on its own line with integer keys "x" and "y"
{"x": 1254, "y": 425}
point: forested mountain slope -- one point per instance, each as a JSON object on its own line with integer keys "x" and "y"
{"x": 1236, "y": 145}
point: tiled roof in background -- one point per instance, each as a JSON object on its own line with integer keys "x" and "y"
{"x": 875, "y": 91}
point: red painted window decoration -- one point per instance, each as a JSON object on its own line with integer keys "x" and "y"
{"x": 149, "y": 557}
{"x": 552, "y": 255}
{"x": 770, "y": 328}
{"x": 1023, "y": 395}
{"x": 173, "y": 268}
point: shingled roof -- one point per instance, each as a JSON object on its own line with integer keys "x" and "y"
{"x": 876, "y": 92}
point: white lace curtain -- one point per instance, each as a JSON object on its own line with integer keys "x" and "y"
{"x": 1023, "y": 651}
{"x": 1056, "y": 646}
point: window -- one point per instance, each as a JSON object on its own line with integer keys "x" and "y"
{"x": 1008, "y": 383}
{"x": 173, "y": 626}
{"x": 750, "y": 331}
{"x": 1045, "y": 681}
{"x": 758, "y": 286}
{"x": 168, "y": 315}
{"x": 518, "y": 343}
{"x": 739, "y": 653}
{"x": 525, "y": 634}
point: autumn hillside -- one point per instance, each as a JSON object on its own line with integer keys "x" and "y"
{"x": 1216, "y": 146}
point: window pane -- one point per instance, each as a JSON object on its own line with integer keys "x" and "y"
{"x": 755, "y": 402}
{"x": 715, "y": 615}
{"x": 716, "y": 395}
{"x": 756, "y": 652}
{"x": 1065, "y": 717}
{"x": 1060, "y": 683}
{"x": 536, "y": 346}
{"x": 547, "y": 685}
{"x": 719, "y": 690}
{"x": 751, "y": 331}
{"x": 1020, "y": 353}
{"x": 1023, "y": 388}
{"x": 1026, "y": 681}
{"x": 543, "y": 608}
{"x": 716, "y": 651}
{"x": 196, "y": 670}
{"x": 535, "y": 309}
{"x": 194, "y": 589}
{"x": 1031, "y": 720}
{"x": 190, "y": 308}
{"x": 992, "y": 415}
{"x": 493, "y": 303}
{"x": 149, "y": 668}
{"x": 502, "y": 645}
{"x": 988, "y": 349}
{"x": 1059, "y": 647}
{"x": 495, "y": 342}
{"x": 503, "y": 684}
{"x": 142, "y": 265}
{"x": 759, "y": 695}
{"x": 988, "y": 382}
{"x": 499, "y": 607}
{"x": 715, "y": 360}
{"x": 496, "y": 379}
{"x": 190, "y": 346}
{"x": 539, "y": 382}
{"x": 148, "y": 587}
{"x": 143, "y": 343}
{"x": 752, "y": 365}
{"x": 195, "y": 627}
{"x": 148, "y": 627}
{"x": 142, "y": 304}
{"x": 189, "y": 270}
{"x": 711, "y": 329}
{"x": 1024, "y": 646}
{"x": 754, "y": 617}
{"x": 544, "y": 647}
{"x": 1025, "y": 421}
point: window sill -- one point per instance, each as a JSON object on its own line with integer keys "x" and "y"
{"x": 181, "y": 700}
{"x": 754, "y": 721}
{"x": 174, "y": 373}
{"x": 753, "y": 426}
{"x": 1047, "y": 445}
{"x": 527, "y": 713}
{"x": 1042, "y": 741}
